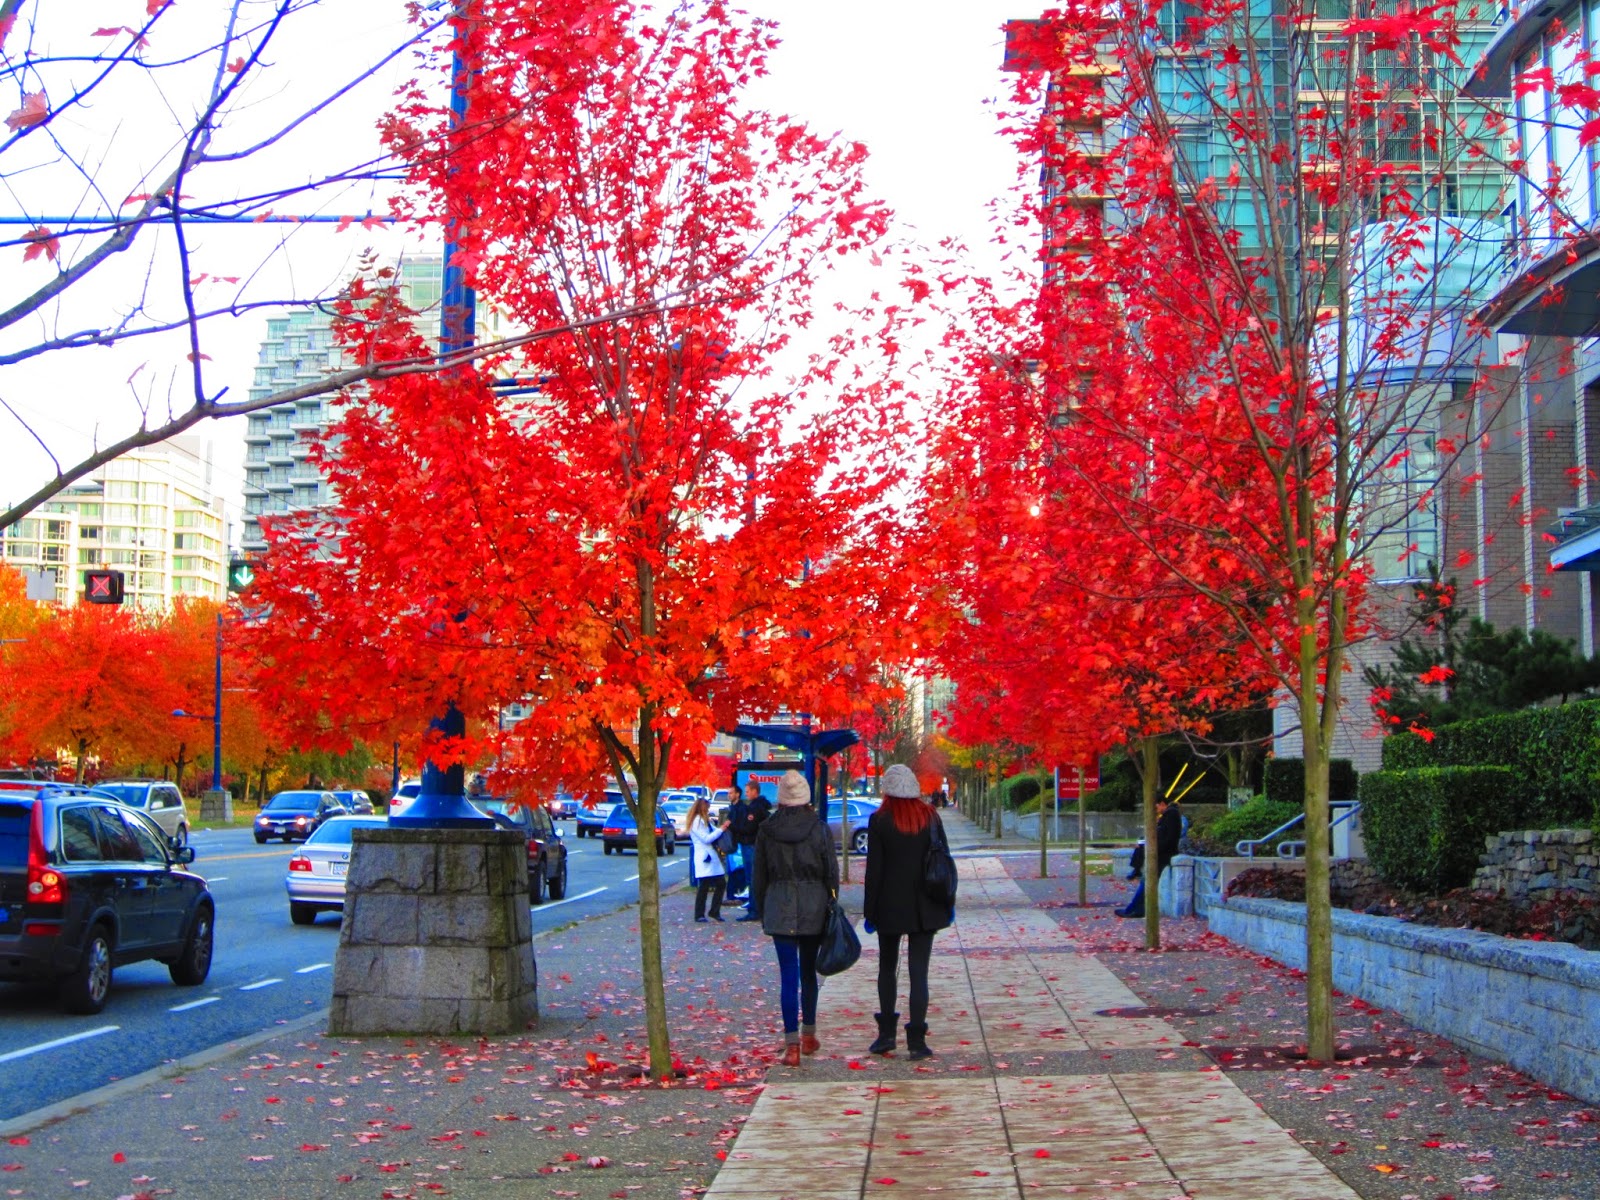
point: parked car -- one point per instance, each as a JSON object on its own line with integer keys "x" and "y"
{"x": 88, "y": 885}
{"x": 547, "y": 853}
{"x": 158, "y": 799}
{"x": 408, "y": 791}
{"x": 696, "y": 789}
{"x": 356, "y": 802}
{"x": 296, "y": 815}
{"x": 316, "y": 874}
{"x": 721, "y": 800}
{"x": 858, "y": 813}
{"x": 588, "y": 822}
{"x": 621, "y": 833}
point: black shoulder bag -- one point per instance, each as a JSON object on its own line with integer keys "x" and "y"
{"x": 939, "y": 868}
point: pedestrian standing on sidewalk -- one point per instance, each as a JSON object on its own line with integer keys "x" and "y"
{"x": 796, "y": 876}
{"x": 748, "y": 816}
{"x": 1169, "y": 832}
{"x": 709, "y": 870}
{"x": 897, "y": 905}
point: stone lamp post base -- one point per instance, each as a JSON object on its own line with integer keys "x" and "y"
{"x": 437, "y": 936}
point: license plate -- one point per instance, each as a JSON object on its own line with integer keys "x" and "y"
{"x": 338, "y": 868}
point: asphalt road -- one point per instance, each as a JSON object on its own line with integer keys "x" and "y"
{"x": 265, "y": 972}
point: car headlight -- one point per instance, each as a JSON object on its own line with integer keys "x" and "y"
{"x": 300, "y": 820}
{"x": 261, "y": 820}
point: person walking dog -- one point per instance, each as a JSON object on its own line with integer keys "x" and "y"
{"x": 795, "y": 877}
{"x": 898, "y": 905}
{"x": 710, "y": 871}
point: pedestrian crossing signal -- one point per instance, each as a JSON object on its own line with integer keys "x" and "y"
{"x": 241, "y": 574}
{"x": 102, "y": 587}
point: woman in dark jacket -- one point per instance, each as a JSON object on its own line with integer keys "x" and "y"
{"x": 796, "y": 876}
{"x": 897, "y": 905}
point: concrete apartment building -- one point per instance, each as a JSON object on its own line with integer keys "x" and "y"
{"x": 153, "y": 514}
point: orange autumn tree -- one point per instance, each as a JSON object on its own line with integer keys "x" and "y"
{"x": 655, "y": 535}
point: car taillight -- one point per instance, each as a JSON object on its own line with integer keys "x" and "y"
{"x": 299, "y": 864}
{"x": 611, "y": 831}
{"x": 42, "y": 929}
{"x": 45, "y": 883}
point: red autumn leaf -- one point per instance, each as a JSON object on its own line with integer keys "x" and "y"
{"x": 20, "y": 1140}
{"x": 34, "y": 110}
{"x": 237, "y": 65}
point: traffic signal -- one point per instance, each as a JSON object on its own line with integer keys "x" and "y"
{"x": 241, "y": 574}
{"x": 102, "y": 587}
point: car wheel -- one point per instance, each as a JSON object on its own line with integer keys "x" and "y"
{"x": 302, "y": 914}
{"x": 672, "y": 845}
{"x": 661, "y": 847}
{"x": 558, "y": 885}
{"x": 194, "y": 964}
{"x": 261, "y": 839}
{"x": 607, "y": 847}
{"x": 536, "y": 883}
{"x": 86, "y": 989}
{"x": 858, "y": 841}
{"x": 183, "y": 836}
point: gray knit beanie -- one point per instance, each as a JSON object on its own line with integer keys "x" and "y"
{"x": 900, "y": 781}
{"x": 793, "y": 790}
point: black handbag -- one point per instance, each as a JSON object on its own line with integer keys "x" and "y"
{"x": 725, "y": 846}
{"x": 939, "y": 868}
{"x": 840, "y": 946}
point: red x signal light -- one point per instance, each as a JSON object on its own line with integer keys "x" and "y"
{"x": 102, "y": 587}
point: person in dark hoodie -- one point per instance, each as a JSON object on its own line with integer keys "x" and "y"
{"x": 897, "y": 905}
{"x": 796, "y": 875}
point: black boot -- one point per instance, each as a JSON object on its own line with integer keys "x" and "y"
{"x": 886, "y": 1027}
{"x": 917, "y": 1042}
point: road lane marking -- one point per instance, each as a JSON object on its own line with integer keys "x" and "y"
{"x": 549, "y": 904}
{"x": 260, "y": 983}
{"x": 11, "y": 1055}
{"x": 312, "y": 967}
{"x": 216, "y": 878}
{"x": 194, "y": 1004}
{"x": 662, "y": 867}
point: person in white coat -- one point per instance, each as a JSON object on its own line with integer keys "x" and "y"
{"x": 709, "y": 870}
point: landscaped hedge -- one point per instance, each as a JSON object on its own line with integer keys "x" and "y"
{"x": 1553, "y": 752}
{"x": 1253, "y": 819}
{"x": 1284, "y": 780}
{"x": 1425, "y": 828}
{"x": 1020, "y": 789}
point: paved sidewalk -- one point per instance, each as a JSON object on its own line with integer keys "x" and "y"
{"x": 1161, "y": 1122}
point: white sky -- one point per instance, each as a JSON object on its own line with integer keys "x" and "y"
{"x": 910, "y": 79}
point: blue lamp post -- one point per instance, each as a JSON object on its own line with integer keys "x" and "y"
{"x": 442, "y": 803}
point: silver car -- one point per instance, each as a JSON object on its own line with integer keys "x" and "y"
{"x": 315, "y": 880}
{"x": 162, "y": 802}
{"x": 858, "y": 813}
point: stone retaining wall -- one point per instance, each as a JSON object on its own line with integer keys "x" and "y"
{"x": 1537, "y": 864}
{"x": 1530, "y": 1004}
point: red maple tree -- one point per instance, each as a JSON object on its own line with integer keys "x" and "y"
{"x": 656, "y": 534}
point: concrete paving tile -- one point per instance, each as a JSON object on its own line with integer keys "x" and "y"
{"x": 1159, "y": 1190}
{"x": 775, "y": 1187}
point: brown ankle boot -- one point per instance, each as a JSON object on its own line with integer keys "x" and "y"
{"x": 808, "y": 1040}
{"x": 791, "y": 1054}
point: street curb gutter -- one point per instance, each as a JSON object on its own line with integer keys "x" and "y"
{"x": 50, "y": 1114}
{"x": 84, "y": 1101}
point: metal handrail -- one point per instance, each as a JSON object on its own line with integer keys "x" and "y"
{"x": 1247, "y": 848}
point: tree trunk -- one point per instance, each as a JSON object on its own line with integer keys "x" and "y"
{"x": 1150, "y": 748}
{"x": 83, "y": 751}
{"x": 1044, "y": 853}
{"x": 1319, "y": 905}
{"x": 1083, "y": 844}
{"x": 650, "y": 772}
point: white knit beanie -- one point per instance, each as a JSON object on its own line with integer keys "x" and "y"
{"x": 901, "y": 782}
{"x": 793, "y": 790}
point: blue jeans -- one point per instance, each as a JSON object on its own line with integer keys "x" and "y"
{"x": 797, "y": 979}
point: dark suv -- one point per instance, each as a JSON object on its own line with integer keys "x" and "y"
{"x": 87, "y": 885}
{"x": 547, "y": 853}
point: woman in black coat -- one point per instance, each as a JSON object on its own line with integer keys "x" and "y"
{"x": 796, "y": 877}
{"x": 897, "y": 905}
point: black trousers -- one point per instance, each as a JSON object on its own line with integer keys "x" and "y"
{"x": 919, "y": 951}
{"x": 711, "y": 885}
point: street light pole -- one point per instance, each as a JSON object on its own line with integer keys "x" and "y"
{"x": 216, "y": 717}
{"x": 442, "y": 802}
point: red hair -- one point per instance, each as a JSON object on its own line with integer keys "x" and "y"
{"x": 910, "y": 815}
